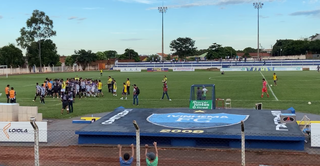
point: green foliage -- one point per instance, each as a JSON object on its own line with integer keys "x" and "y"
{"x": 200, "y": 52}
{"x": 101, "y": 55}
{"x": 246, "y": 55}
{"x": 10, "y": 55}
{"x": 39, "y": 26}
{"x": 295, "y": 47}
{"x": 69, "y": 61}
{"x": 84, "y": 58}
{"x": 183, "y": 47}
{"x": 250, "y": 50}
{"x": 168, "y": 57}
{"x": 154, "y": 57}
{"x": 130, "y": 54}
{"x": 111, "y": 54}
{"x": 231, "y": 51}
{"x": 216, "y": 51}
{"x": 49, "y": 54}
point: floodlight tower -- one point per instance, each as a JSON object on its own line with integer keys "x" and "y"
{"x": 258, "y": 5}
{"x": 162, "y": 10}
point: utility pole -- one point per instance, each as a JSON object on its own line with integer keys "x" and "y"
{"x": 258, "y": 5}
{"x": 162, "y": 10}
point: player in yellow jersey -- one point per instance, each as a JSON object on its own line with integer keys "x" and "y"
{"x": 124, "y": 91}
{"x": 165, "y": 79}
{"x": 275, "y": 79}
{"x": 101, "y": 72}
{"x": 114, "y": 88}
{"x": 100, "y": 88}
{"x": 128, "y": 86}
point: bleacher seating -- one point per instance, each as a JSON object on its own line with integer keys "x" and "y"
{"x": 208, "y": 64}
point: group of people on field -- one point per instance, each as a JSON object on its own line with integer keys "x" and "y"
{"x": 10, "y": 94}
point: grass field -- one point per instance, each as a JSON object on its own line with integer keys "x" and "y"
{"x": 295, "y": 89}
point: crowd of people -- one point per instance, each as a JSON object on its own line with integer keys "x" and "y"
{"x": 72, "y": 88}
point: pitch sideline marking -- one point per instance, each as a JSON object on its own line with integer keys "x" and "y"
{"x": 270, "y": 87}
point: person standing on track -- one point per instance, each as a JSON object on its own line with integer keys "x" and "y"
{"x": 275, "y": 79}
{"x": 136, "y": 92}
{"x": 7, "y": 90}
{"x": 264, "y": 87}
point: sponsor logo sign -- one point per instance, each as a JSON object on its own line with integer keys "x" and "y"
{"x": 22, "y": 132}
{"x": 260, "y": 68}
{"x": 288, "y": 69}
{"x": 277, "y": 121}
{"x": 157, "y": 69}
{"x": 195, "y": 121}
{"x": 116, "y": 117}
{"x": 130, "y": 70}
{"x": 183, "y": 69}
{"x": 201, "y": 104}
{"x": 234, "y": 69}
{"x": 288, "y": 118}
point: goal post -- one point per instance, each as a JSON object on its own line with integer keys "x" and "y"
{"x": 202, "y": 96}
{"x": 4, "y": 70}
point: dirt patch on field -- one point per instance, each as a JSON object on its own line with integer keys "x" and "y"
{"x": 108, "y": 156}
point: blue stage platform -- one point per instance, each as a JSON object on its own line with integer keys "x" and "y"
{"x": 195, "y": 128}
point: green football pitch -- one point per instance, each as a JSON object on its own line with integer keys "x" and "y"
{"x": 295, "y": 89}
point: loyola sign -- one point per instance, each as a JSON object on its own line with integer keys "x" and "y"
{"x": 201, "y": 104}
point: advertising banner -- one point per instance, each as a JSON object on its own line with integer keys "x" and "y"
{"x": 183, "y": 69}
{"x": 260, "y": 69}
{"x": 21, "y": 132}
{"x": 201, "y": 104}
{"x": 234, "y": 69}
{"x": 288, "y": 69}
{"x": 157, "y": 69}
{"x": 130, "y": 70}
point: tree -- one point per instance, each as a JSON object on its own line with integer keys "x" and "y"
{"x": 216, "y": 51}
{"x": 183, "y": 47}
{"x": 293, "y": 47}
{"x": 153, "y": 57}
{"x": 200, "y": 52}
{"x": 84, "y": 58}
{"x": 246, "y": 55}
{"x": 101, "y": 55}
{"x": 231, "y": 51}
{"x": 250, "y": 50}
{"x": 69, "y": 61}
{"x": 11, "y": 55}
{"x": 39, "y": 27}
{"x": 111, "y": 54}
{"x": 130, "y": 54}
{"x": 49, "y": 54}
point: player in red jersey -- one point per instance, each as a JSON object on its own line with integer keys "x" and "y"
{"x": 264, "y": 88}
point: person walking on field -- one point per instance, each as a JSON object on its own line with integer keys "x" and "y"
{"x": 165, "y": 92}
{"x": 126, "y": 160}
{"x": 151, "y": 158}
{"x": 136, "y": 92}
{"x": 264, "y": 88}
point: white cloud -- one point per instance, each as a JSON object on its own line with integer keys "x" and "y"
{"x": 72, "y": 18}
{"x": 196, "y": 3}
{"x": 140, "y": 1}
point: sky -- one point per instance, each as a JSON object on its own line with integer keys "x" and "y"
{"x": 100, "y": 25}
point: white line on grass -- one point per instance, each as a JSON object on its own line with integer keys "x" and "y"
{"x": 270, "y": 87}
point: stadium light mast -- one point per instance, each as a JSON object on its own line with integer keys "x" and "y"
{"x": 258, "y": 5}
{"x": 162, "y": 10}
